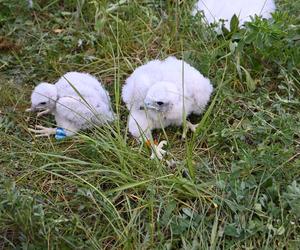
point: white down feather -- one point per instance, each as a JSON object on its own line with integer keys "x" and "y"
{"x": 171, "y": 81}
{"x": 214, "y": 10}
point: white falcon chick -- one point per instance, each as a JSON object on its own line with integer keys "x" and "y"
{"x": 163, "y": 93}
{"x": 77, "y": 100}
{"x": 214, "y": 10}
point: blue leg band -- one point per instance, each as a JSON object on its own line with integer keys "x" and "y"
{"x": 60, "y": 133}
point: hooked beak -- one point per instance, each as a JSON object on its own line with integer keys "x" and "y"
{"x": 36, "y": 109}
{"x": 29, "y": 110}
{"x": 150, "y": 106}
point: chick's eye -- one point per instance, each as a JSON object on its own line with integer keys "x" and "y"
{"x": 159, "y": 103}
{"x": 43, "y": 103}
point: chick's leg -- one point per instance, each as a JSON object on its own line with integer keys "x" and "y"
{"x": 192, "y": 127}
{"x": 189, "y": 126}
{"x": 43, "y": 131}
{"x": 140, "y": 127}
{"x": 157, "y": 150}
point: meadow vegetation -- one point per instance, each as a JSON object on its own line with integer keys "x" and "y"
{"x": 234, "y": 184}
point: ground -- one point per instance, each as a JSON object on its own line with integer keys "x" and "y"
{"x": 234, "y": 184}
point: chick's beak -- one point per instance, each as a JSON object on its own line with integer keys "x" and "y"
{"x": 150, "y": 105}
{"x": 29, "y": 109}
{"x": 36, "y": 109}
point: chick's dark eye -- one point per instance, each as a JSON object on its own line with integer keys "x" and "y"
{"x": 43, "y": 103}
{"x": 159, "y": 103}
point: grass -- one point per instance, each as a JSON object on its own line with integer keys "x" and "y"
{"x": 235, "y": 184}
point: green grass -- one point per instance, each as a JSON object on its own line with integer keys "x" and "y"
{"x": 235, "y": 184}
